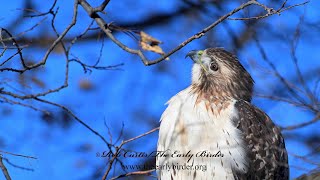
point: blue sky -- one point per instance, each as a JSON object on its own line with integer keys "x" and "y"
{"x": 135, "y": 95}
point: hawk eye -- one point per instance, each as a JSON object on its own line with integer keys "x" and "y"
{"x": 214, "y": 66}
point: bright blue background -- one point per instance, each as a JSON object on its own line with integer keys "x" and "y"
{"x": 136, "y": 94}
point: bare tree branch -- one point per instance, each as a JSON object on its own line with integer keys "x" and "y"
{"x": 296, "y": 126}
{"x": 50, "y": 11}
{"x": 7, "y": 100}
{"x": 118, "y": 148}
{"x": 53, "y": 45}
{"x": 100, "y": 8}
{"x": 4, "y": 169}
{"x": 288, "y": 85}
{"x": 17, "y": 166}
{"x": 301, "y": 95}
{"x": 18, "y": 155}
{"x": 270, "y": 11}
{"x": 77, "y": 119}
{"x": 145, "y": 173}
{"x": 104, "y": 26}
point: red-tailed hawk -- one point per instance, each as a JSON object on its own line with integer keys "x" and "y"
{"x": 210, "y": 130}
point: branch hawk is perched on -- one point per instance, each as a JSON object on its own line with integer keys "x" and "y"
{"x": 210, "y": 130}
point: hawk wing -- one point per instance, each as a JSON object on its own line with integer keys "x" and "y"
{"x": 266, "y": 153}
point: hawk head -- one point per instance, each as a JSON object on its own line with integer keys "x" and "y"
{"x": 219, "y": 74}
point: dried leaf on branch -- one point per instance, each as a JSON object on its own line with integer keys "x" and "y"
{"x": 149, "y": 43}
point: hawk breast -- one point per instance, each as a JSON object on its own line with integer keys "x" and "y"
{"x": 200, "y": 129}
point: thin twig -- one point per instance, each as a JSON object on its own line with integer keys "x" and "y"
{"x": 77, "y": 119}
{"x": 294, "y": 58}
{"x": 87, "y": 67}
{"x": 6, "y": 100}
{"x": 18, "y": 155}
{"x": 305, "y": 159}
{"x": 140, "y": 136}
{"x": 145, "y": 173}
{"x": 296, "y": 126}
{"x": 280, "y": 99}
{"x": 48, "y": 12}
{"x": 17, "y": 166}
{"x": 118, "y": 148}
{"x": 284, "y": 9}
{"x": 4, "y": 169}
{"x": 10, "y": 38}
{"x": 101, "y": 7}
{"x": 270, "y": 11}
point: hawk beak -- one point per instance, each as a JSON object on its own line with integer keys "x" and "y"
{"x": 193, "y": 55}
